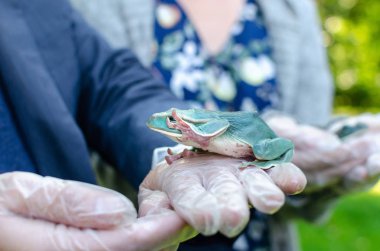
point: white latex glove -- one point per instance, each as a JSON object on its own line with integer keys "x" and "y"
{"x": 325, "y": 159}
{"x": 367, "y": 143}
{"x": 211, "y": 193}
{"x": 371, "y": 120}
{"x": 38, "y": 214}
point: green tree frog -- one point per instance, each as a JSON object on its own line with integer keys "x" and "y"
{"x": 236, "y": 134}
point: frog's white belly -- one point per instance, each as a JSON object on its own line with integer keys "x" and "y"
{"x": 230, "y": 147}
{"x": 222, "y": 145}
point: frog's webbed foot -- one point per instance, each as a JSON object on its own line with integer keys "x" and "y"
{"x": 260, "y": 164}
{"x": 176, "y": 156}
{"x": 273, "y": 149}
{"x": 266, "y": 164}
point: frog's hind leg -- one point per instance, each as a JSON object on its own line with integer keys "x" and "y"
{"x": 273, "y": 149}
{"x": 266, "y": 164}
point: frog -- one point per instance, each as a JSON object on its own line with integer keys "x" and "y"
{"x": 238, "y": 134}
{"x": 350, "y": 130}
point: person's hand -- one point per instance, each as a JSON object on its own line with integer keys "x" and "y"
{"x": 365, "y": 145}
{"x": 211, "y": 192}
{"x": 328, "y": 160}
{"x": 333, "y": 167}
{"x": 38, "y": 214}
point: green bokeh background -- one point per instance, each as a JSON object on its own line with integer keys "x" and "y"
{"x": 352, "y": 37}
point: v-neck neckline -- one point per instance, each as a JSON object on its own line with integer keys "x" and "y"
{"x": 197, "y": 36}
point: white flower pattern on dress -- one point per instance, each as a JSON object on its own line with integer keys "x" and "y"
{"x": 255, "y": 71}
{"x": 184, "y": 75}
{"x": 167, "y": 15}
{"x": 220, "y": 84}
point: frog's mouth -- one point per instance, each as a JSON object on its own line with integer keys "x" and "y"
{"x": 160, "y": 124}
{"x": 168, "y": 131}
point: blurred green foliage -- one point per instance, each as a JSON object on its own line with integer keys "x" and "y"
{"x": 351, "y": 30}
{"x": 353, "y": 226}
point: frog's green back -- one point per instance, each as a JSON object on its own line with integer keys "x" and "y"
{"x": 247, "y": 127}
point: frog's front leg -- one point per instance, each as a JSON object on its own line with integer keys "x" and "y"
{"x": 198, "y": 135}
{"x": 269, "y": 152}
{"x": 176, "y": 156}
{"x": 187, "y": 131}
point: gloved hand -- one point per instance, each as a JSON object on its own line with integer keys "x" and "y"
{"x": 211, "y": 193}
{"x": 333, "y": 167}
{"x": 39, "y": 214}
{"x": 365, "y": 143}
{"x": 327, "y": 160}
{"x": 372, "y": 121}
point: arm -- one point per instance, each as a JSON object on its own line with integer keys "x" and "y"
{"x": 116, "y": 99}
{"x": 315, "y": 88}
{"x": 318, "y": 152}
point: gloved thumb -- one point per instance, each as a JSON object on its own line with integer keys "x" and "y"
{"x": 59, "y": 201}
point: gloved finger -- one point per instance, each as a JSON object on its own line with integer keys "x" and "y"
{"x": 67, "y": 202}
{"x": 184, "y": 187}
{"x": 152, "y": 232}
{"x": 357, "y": 150}
{"x": 321, "y": 159}
{"x": 364, "y": 175}
{"x": 225, "y": 186}
{"x": 321, "y": 178}
{"x": 314, "y": 139}
{"x": 157, "y": 202}
{"x": 288, "y": 177}
{"x": 363, "y": 146}
{"x": 356, "y": 175}
{"x": 371, "y": 120}
{"x": 148, "y": 233}
{"x": 303, "y": 136}
{"x": 151, "y": 202}
{"x": 34, "y": 234}
{"x": 263, "y": 194}
{"x": 373, "y": 165}
{"x": 337, "y": 161}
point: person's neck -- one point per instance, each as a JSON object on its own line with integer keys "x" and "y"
{"x": 213, "y": 20}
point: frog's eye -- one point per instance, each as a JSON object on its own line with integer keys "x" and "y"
{"x": 171, "y": 119}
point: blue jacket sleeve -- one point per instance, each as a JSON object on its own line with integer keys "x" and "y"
{"x": 117, "y": 96}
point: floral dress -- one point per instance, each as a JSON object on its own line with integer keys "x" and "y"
{"x": 240, "y": 77}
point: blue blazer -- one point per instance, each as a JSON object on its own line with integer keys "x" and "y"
{"x": 71, "y": 93}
